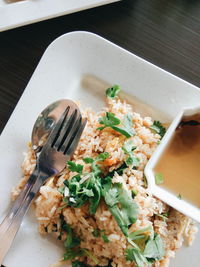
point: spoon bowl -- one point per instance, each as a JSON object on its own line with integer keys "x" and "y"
{"x": 47, "y": 120}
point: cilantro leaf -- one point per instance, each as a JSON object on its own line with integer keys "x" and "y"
{"x": 71, "y": 243}
{"x": 72, "y": 240}
{"x": 75, "y": 167}
{"x": 128, "y": 149}
{"x": 91, "y": 256}
{"x": 140, "y": 233}
{"x": 87, "y": 192}
{"x": 132, "y": 160}
{"x": 127, "y": 126}
{"x": 134, "y": 193}
{"x": 111, "y": 121}
{"x": 122, "y": 131}
{"x": 179, "y": 196}
{"x": 102, "y": 156}
{"x": 94, "y": 202}
{"x": 78, "y": 193}
{"x": 163, "y": 216}
{"x": 118, "y": 170}
{"x": 72, "y": 254}
{"x": 134, "y": 254}
{"x": 154, "y": 248}
{"x": 85, "y": 187}
{"x": 100, "y": 233}
{"x": 95, "y": 167}
{"x": 111, "y": 196}
{"x": 121, "y": 205}
{"x": 105, "y": 238}
{"x": 96, "y": 233}
{"x": 88, "y": 160}
{"x": 158, "y": 128}
{"x": 112, "y": 91}
{"x": 159, "y": 179}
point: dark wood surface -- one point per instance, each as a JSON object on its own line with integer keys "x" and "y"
{"x": 165, "y": 32}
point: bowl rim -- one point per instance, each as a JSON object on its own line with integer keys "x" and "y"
{"x": 168, "y": 197}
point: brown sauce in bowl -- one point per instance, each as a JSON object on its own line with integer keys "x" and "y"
{"x": 180, "y": 162}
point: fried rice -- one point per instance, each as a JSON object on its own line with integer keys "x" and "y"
{"x": 49, "y": 205}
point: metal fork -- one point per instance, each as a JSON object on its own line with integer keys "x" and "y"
{"x": 59, "y": 147}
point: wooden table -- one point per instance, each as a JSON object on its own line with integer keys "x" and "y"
{"x": 165, "y": 32}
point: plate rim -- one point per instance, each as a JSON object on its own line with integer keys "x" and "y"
{"x": 11, "y": 13}
{"x": 51, "y": 46}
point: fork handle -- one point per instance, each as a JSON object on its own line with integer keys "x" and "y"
{"x": 11, "y": 224}
{"x": 18, "y": 202}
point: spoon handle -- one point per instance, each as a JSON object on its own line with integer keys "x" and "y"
{"x": 11, "y": 223}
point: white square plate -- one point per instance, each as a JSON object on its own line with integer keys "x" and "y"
{"x": 19, "y": 13}
{"x": 67, "y": 70}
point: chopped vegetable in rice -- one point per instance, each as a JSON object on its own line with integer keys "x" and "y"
{"x": 100, "y": 206}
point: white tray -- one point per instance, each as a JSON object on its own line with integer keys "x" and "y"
{"x": 67, "y": 70}
{"x": 25, "y": 12}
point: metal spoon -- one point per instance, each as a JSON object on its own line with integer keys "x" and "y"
{"x": 42, "y": 128}
{"x": 58, "y": 148}
{"x": 47, "y": 119}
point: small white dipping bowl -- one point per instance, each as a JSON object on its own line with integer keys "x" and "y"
{"x": 170, "y": 198}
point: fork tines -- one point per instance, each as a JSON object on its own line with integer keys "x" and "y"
{"x": 66, "y": 134}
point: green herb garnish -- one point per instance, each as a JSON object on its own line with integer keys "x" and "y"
{"x": 96, "y": 233}
{"x": 91, "y": 256}
{"x": 113, "y": 91}
{"x": 80, "y": 193}
{"x": 139, "y": 234}
{"x": 135, "y": 255}
{"x": 158, "y": 128}
{"x": 72, "y": 254}
{"x": 102, "y": 156}
{"x": 163, "y": 216}
{"x": 75, "y": 167}
{"x": 128, "y": 149}
{"x": 118, "y": 170}
{"x": 179, "y": 196}
{"x": 100, "y": 233}
{"x": 127, "y": 126}
{"x": 159, "y": 179}
{"x": 120, "y": 204}
{"x": 109, "y": 120}
{"x": 154, "y": 248}
{"x": 134, "y": 193}
{"x": 88, "y": 160}
{"x": 88, "y": 190}
{"x": 71, "y": 242}
{"x": 105, "y": 238}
